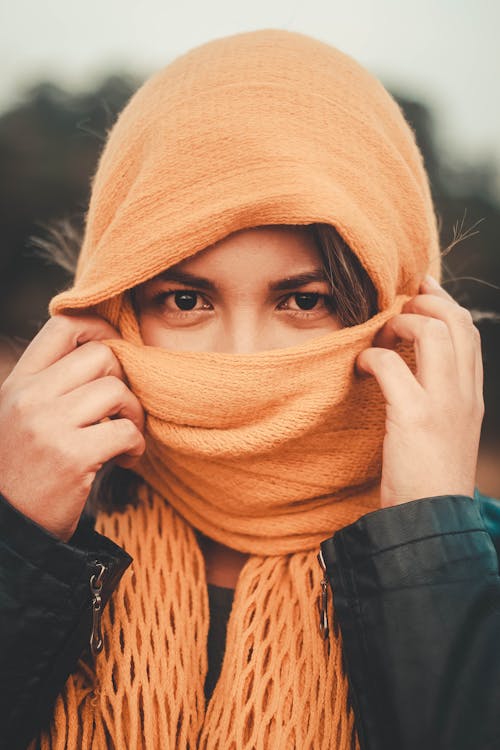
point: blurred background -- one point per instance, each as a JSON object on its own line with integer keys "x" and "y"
{"x": 69, "y": 68}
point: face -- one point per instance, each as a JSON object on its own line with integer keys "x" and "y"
{"x": 257, "y": 289}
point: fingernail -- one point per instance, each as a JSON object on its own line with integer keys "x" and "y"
{"x": 431, "y": 281}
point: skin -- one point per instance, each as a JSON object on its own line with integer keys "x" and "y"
{"x": 67, "y": 381}
{"x": 240, "y": 315}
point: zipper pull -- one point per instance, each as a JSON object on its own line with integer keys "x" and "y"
{"x": 96, "y": 642}
{"x": 324, "y": 628}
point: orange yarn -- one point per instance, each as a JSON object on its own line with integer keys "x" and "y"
{"x": 264, "y": 127}
{"x": 269, "y": 452}
{"x": 278, "y": 688}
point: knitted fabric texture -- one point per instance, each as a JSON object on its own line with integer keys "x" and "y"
{"x": 268, "y": 452}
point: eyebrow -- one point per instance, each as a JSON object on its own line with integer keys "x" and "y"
{"x": 290, "y": 282}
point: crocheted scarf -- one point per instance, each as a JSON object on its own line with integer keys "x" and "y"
{"x": 269, "y": 452}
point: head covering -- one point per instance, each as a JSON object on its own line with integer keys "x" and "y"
{"x": 268, "y": 452}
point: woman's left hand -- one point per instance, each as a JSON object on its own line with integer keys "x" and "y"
{"x": 433, "y": 418}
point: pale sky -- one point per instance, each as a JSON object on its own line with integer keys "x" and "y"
{"x": 445, "y": 52}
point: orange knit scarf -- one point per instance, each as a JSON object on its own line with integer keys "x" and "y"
{"x": 269, "y": 452}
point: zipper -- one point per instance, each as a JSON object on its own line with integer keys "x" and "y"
{"x": 324, "y": 627}
{"x": 96, "y": 583}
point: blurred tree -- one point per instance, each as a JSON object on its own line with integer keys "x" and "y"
{"x": 49, "y": 147}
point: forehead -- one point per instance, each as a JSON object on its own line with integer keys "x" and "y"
{"x": 279, "y": 257}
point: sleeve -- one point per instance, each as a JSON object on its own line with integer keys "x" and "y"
{"x": 45, "y": 614}
{"x": 416, "y": 592}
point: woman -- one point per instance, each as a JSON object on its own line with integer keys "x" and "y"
{"x": 250, "y": 309}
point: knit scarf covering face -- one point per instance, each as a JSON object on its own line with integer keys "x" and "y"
{"x": 270, "y": 452}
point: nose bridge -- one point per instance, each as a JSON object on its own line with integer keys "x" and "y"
{"x": 243, "y": 330}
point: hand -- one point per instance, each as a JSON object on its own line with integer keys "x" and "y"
{"x": 433, "y": 419}
{"x": 54, "y": 435}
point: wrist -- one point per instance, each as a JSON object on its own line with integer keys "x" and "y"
{"x": 391, "y": 498}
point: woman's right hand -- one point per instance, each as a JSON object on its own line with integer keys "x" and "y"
{"x": 52, "y": 439}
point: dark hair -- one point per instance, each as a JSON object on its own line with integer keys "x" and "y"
{"x": 355, "y": 296}
{"x": 350, "y": 285}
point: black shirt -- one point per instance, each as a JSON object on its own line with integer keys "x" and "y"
{"x": 220, "y": 600}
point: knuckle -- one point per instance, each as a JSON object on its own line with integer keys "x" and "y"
{"x": 59, "y": 323}
{"x": 127, "y": 430}
{"x": 102, "y": 355}
{"x": 464, "y": 317}
{"x": 434, "y": 328}
{"x": 386, "y": 358}
{"x": 86, "y": 480}
{"x": 116, "y": 386}
{"x": 476, "y": 334}
{"x": 23, "y": 401}
{"x": 70, "y": 457}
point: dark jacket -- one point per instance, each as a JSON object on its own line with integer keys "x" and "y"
{"x": 416, "y": 590}
{"x": 417, "y": 597}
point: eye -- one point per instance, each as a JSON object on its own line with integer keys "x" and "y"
{"x": 180, "y": 300}
{"x": 186, "y": 304}
{"x": 307, "y": 303}
{"x": 186, "y": 300}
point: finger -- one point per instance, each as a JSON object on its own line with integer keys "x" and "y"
{"x": 125, "y": 460}
{"x": 431, "y": 286}
{"x": 435, "y": 357}
{"x": 464, "y": 334}
{"x": 59, "y": 336}
{"x": 479, "y": 376}
{"x": 105, "y": 397}
{"x": 394, "y": 377}
{"x": 88, "y": 362}
{"x": 107, "y": 440}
